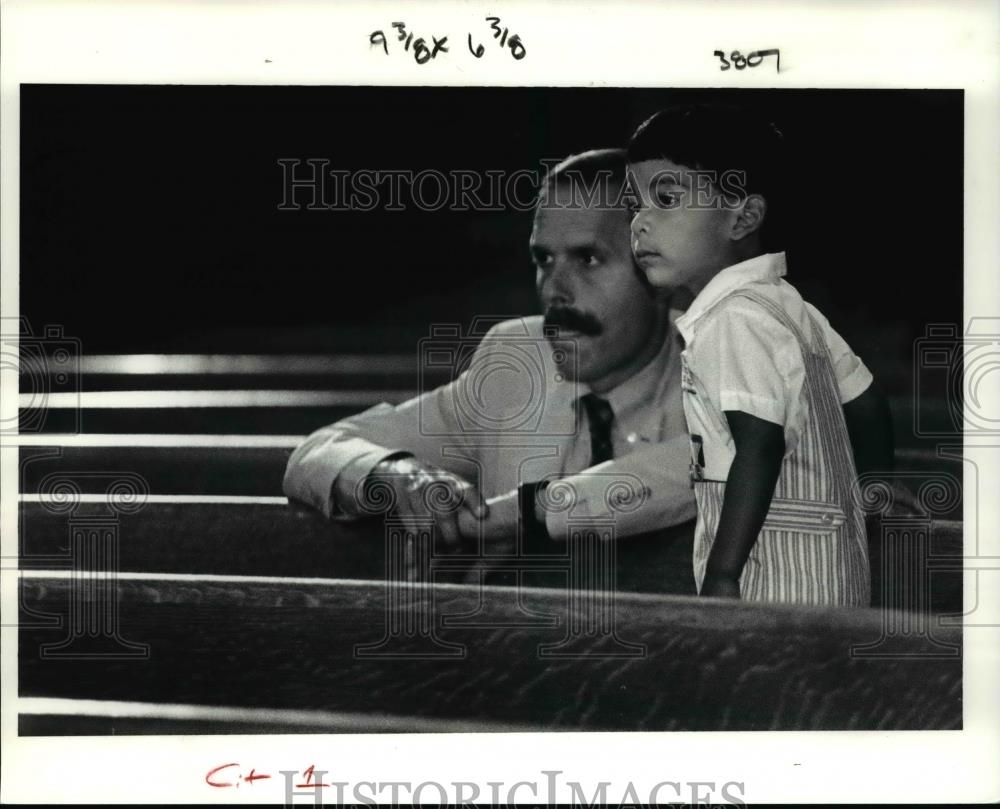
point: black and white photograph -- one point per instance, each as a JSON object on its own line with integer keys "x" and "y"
{"x": 365, "y": 412}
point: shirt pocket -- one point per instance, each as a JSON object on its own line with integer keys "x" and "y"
{"x": 806, "y": 516}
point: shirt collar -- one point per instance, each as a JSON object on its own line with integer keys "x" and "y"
{"x": 644, "y": 387}
{"x": 766, "y": 267}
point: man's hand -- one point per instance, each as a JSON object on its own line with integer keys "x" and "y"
{"x": 424, "y": 491}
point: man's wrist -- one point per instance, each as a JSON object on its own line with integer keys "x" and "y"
{"x": 388, "y": 459}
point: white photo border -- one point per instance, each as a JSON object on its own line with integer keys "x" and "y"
{"x": 639, "y": 44}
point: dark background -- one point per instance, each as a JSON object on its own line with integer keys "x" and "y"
{"x": 150, "y": 221}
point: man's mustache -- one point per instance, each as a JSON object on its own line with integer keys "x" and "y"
{"x": 565, "y": 317}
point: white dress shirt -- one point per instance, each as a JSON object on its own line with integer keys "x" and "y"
{"x": 746, "y": 360}
{"x": 511, "y": 418}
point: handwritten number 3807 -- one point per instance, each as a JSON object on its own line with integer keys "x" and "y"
{"x": 740, "y": 62}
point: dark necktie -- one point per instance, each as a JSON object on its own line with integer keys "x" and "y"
{"x": 600, "y": 417}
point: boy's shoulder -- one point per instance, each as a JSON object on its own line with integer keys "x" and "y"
{"x": 751, "y": 298}
{"x": 777, "y": 312}
{"x": 766, "y": 299}
{"x": 756, "y": 319}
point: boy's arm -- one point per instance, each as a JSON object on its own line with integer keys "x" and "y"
{"x": 760, "y": 448}
{"x": 869, "y": 425}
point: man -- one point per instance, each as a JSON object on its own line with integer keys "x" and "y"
{"x": 588, "y": 395}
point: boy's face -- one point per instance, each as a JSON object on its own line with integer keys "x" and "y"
{"x": 681, "y": 227}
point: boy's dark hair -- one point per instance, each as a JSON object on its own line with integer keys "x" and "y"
{"x": 720, "y": 138}
{"x": 595, "y": 177}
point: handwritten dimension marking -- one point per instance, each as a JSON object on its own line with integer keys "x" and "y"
{"x": 424, "y": 53}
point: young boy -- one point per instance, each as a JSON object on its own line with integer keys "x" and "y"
{"x": 772, "y": 394}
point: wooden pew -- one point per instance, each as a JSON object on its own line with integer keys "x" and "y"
{"x": 240, "y": 411}
{"x": 233, "y": 407}
{"x": 111, "y": 372}
{"x": 169, "y": 464}
{"x": 215, "y": 393}
{"x": 255, "y": 464}
{"x": 208, "y": 534}
{"x": 265, "y": 536}
{"x": 315, "y": 645}
{"x": 41, "y": 716}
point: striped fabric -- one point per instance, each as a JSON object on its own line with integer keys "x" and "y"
{"x": 812, "y": 548}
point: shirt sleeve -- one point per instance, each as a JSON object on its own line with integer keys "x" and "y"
{"x": 337, "y": 458}
{"x": 342, "y": 453}
{"x": 642, "y": 491}
{"x": 853, "y": 376}
{"x": 758, "y": 361}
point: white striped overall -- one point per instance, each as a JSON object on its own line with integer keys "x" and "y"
{"x": 812, "y": 548}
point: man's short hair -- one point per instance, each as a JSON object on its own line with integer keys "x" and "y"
{"x": 721, "y": 139}
{"x": 592, "y": 178}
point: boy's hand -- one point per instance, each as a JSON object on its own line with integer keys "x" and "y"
{"x": 720, "y": 587}
{"x": 499, "y": 525}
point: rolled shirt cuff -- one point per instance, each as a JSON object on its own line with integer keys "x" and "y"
{"x": 636, "y": 504}
{"x": 348, "y": 481}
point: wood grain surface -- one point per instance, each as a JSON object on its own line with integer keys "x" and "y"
{"x": 293, "y": 644}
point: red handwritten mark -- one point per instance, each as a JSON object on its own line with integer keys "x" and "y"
{"x": 308, "y": 773}
{"x": 211, "y": 783}
{"x": 247, "y": 779}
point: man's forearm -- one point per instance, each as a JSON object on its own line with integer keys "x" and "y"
{"x": 341, "y": 455}
{"x": 333, "y": 456}
{"x": 654, "y": 482}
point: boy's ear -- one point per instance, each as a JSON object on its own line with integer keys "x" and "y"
{"x": 749, "y": 217}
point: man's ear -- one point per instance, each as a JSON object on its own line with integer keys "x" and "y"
{"x": 749, "y": 217}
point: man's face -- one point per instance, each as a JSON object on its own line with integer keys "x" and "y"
{"x": 681, "y": 227}
{"x": 591, "y": 290}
